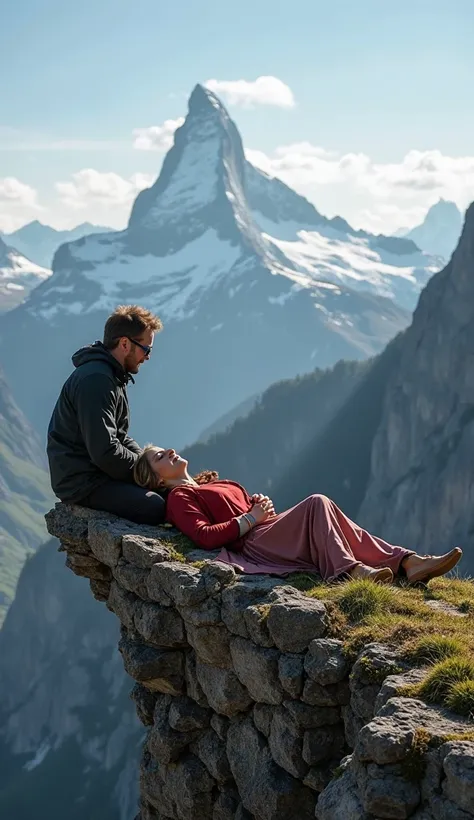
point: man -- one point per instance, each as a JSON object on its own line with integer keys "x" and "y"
{"x": 91, "y": 456}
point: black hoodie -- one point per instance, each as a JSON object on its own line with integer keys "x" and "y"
{"x": 88, "y": 441}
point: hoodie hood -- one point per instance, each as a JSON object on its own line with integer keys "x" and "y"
{"x": 96, "y": 352}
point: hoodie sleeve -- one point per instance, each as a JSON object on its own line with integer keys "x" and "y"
{"x": 132, "y": 445}
{"x": 96, "y": 405}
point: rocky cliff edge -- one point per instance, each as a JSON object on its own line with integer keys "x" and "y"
{"x": 253, "y": 708}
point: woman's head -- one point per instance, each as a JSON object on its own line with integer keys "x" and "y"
{"x": 158, "y": 468}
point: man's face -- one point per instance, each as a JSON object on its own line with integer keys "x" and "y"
{"x": 135, "y": 356}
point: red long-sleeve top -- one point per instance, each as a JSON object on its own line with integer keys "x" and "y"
{"x": 207, "y": 513}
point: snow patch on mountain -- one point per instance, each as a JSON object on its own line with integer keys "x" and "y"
{"x": 194, "y": 183}
{"x": 350, "y": 261}
{"x": 174, "y": 281}
{"x": 18, "y": 277}
{"x": 19, "y": 267}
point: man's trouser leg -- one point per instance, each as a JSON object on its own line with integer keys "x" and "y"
{"x": 128, "y": 501}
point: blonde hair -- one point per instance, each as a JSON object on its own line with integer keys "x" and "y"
{"x": 145, "y": 476}
{"x": 143, "y": 473}
{"x": 130, "y": 321}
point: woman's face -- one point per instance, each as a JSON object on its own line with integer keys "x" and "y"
{"x": 166, "y": 464}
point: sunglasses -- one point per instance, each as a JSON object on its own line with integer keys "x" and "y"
{"x": 146, "y": 348}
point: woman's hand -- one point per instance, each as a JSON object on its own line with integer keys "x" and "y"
{"x": 257, "y": 497}
{"x": 263, "y": 508}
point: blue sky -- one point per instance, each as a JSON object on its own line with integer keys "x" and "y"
{"x": 382, "y": 122}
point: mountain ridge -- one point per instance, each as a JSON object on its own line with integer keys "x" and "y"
{"x": 40, "y": 242}
{"x": 440, "y": 230}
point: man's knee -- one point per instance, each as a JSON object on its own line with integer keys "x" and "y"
{"x": 151, "y": 509}
{"x": 318, "y": 500}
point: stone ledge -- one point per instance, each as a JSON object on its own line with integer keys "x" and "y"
{"x": 407, "y": 763}
{"x": 249, "y": 703}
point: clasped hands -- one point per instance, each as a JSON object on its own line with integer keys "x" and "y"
{"x": 262, "y": 508}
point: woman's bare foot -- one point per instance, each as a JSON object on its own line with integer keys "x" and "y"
{"x": 382, "y": 575}
{"x": 424, "y": 567}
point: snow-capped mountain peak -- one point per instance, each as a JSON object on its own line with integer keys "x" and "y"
{"x": 240, "y": 268}
{"x": 18, "y": 277}
{"x": 212, "y": 218}
{"x": 202, "y": 183}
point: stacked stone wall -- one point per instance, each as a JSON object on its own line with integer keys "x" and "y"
{"x": 252, "y": 708}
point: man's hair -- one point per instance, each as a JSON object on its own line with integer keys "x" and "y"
{"x": 131, "y": 321}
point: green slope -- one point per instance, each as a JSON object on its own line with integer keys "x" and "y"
{"x": 25, "y": 494}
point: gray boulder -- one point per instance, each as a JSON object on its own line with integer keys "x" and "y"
{"x": 266, "y": 790}
{"x": 159, "y": 670}
{"x": 257, "y": 668}
{"x": 325, "y": 661}
{"x": 223, "y": 690}
{"x": 340, "y": 800}
{"x": 293, "y": 622}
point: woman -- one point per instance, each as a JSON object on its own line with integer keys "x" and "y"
{"x": 313, "y": 536}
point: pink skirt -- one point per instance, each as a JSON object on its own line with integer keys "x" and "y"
{"x": 314, "y": 536}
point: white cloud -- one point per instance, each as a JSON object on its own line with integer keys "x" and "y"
{"x": 89, "y": 187}
{"x": 18, "y": 203}
{"x": 386, "y": 218}
{"x": 425, "y": 171}
{"x": 302, "y": 164}
{"x": 156, "y": 137}
{"x": 266, "y": 90}
{"x": 14, "y": 191}
{"x": 383, "y": 196}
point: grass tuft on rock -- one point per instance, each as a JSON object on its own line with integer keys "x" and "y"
{"x": 439, "y": 682}
{"x": 458, "y": 592}
{"x": 414, "y": 764}
{"x": 432, "y": 649}
{"x": 359, "y": 599}
{"x": 461, "y": 698}
{"x": 179, "y": 546}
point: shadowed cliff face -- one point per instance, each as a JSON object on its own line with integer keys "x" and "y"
{"x": 69, "y": 738}
{"x": 421, "y": 486}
